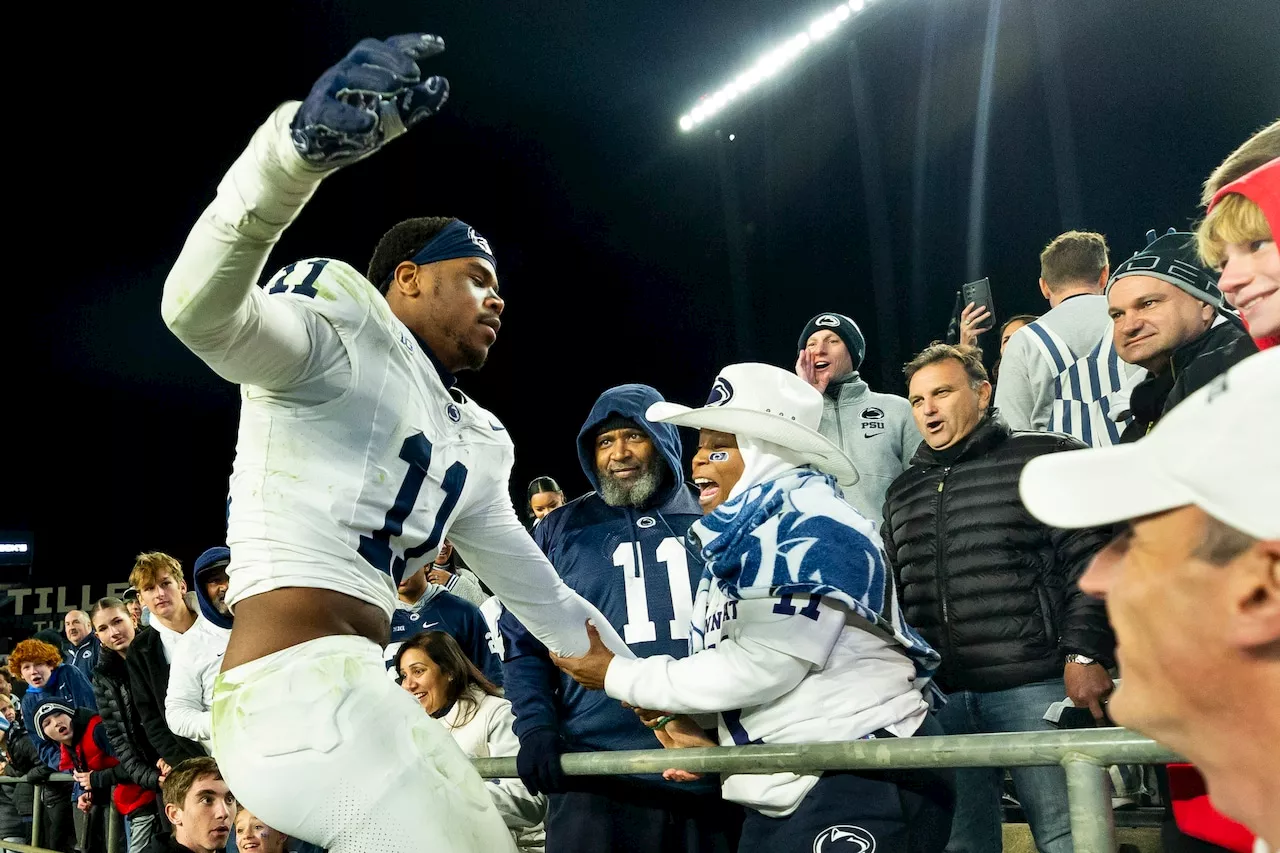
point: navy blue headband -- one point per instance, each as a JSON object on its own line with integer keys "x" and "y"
{"x": 456, "y": 240}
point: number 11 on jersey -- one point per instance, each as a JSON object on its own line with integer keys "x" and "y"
{"x": 640, "y": 628}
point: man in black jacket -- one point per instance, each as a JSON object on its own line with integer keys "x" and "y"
{"x": 993, "y": 590}
{"x": 158, "y": 579}
{"x": 1169, "y": 317}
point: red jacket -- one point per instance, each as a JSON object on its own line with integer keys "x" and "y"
{"x": 88, "y": 754}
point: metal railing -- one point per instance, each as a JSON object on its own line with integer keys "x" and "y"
{"x": 1084, "y": 755}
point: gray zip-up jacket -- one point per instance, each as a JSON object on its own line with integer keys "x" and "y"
{"x": 877, "y": 432}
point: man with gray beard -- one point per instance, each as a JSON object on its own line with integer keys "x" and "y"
{"x": 621, "y": 548}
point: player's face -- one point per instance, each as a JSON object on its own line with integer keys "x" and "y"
{"x": 215, "y": 589}
{"x": 411, "y": 587}
{"x": 114, "y": 627}
{"x": 57, "y": 727}
{"x": 945, "y": 407}
{"x": 831, "y": 358}
{"x": 36, "y": 674}
{"x": 1251, "y": 282}
{"x": 76, "y": 626}
{"x": 165, "y": 597}
{"x": 206, "y": 816}
{"x": 717, "y": 467}
{"x": 458, "y": 312}
{"x": 421, "y": 676}
{"x": 253, "y": 834}
{"x": 543, "y": 502}
{"x": 1008, "y": 333}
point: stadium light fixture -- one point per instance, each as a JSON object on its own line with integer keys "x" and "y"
{"x": 770, "y": 63}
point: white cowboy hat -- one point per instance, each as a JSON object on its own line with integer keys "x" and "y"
{"x": 771, "y": 404}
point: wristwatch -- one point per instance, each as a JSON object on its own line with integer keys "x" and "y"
{"x": 1080, "y": 659}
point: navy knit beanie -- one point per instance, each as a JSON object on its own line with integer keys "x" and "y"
{"x": 844, "y": 327}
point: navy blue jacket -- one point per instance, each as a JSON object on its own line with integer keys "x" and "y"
{"x": 603, "y": 552}
{"x": 441, "y": 610}
{"x": 66, "y": 685}
{"x": 84, "y": 657}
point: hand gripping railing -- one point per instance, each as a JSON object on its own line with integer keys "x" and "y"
{"x": 1084, "y": 754}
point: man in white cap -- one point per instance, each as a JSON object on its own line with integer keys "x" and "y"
{"x": 1192, "y": 585}
{"x": 797, "y": 635}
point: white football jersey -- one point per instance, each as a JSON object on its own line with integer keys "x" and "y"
{"x": 358, "y": 491}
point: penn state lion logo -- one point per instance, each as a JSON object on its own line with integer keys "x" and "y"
{"x": 844, "y": 839}
{"x": 721, "y": 392}
{"x": 829, "y": 320}
{"x": 481, "y": 242}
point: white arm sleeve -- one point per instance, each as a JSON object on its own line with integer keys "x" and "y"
{"x": 767, "y": 656}
{"x": 184, "y": 708}
{"x": 211, "y": 299}
{"x": 519, "y": 808}
{"x": 500, "y": 551}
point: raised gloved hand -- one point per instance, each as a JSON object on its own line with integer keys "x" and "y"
{"x": 538, "y": 762}
{"x": 372, "y": 96}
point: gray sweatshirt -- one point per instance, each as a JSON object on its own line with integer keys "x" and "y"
{"x": 1024, "y": 391}
{"x": 878, "y": 434}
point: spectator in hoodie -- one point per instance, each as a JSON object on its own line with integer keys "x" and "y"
{"x": 449, "y": 687}
{"x": 254, "y": 836}
{"x": 100, "y": 781}
{"x": 15, "y": 800}
{"x": 424, "y": 606}
{"x": 115, "y": 629}
{"x": 621, "y": 547}
{"x": 200, "y": 807}
{"x": 163, "y": 591}
{"x": 188, "y": 705}
{"x": 875, "y": 430}
{"x": 1237, "y": 236}
{"x": 82, "y": 644}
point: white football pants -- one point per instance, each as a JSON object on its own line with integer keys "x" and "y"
{"x": 321, "y": 745}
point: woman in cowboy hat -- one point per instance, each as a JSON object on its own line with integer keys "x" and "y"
{"x": 797, "y": 635}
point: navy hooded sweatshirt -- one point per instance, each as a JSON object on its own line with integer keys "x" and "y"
{"x": 631, "y": 564}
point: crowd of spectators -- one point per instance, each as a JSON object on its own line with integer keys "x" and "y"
{"x": 973, "y": 619}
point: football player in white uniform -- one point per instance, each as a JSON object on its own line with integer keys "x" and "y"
{"x": 356, "y": 456}
{"x": 797, "y": 636}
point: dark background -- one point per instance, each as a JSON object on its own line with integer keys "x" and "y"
{"x": 628, "y": 251}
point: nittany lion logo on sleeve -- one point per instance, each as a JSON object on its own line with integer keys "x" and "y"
{"x": 844, "y": 839}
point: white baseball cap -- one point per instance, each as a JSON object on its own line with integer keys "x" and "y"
{"x": 771, "y": 404}
{"x": 1217, "y": 450}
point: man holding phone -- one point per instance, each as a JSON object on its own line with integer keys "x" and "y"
{"x": 875, "y": 430}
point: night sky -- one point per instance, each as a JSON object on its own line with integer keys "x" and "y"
{"x": 628, "y": 251}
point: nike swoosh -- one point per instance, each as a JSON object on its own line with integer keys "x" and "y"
{"x": 496, "y": 428}
{"x": 871, "y": 434}
{"x": 432, "y": 625}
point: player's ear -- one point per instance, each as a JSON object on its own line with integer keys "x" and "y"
{"x": 405, "y": 279}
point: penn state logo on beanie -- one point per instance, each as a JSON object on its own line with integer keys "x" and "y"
{"x": 842, "y": 326}
{"x": 1172, "y": 258}
{"x": 48, "y": 709}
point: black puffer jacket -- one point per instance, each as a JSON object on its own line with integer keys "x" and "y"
{"x": 149, "y": 681}
{"x": 989, "y": 586}
{"x": 120, "y": 716}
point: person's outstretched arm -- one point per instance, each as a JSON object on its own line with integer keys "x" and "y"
{"x": 210, "y": 299}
